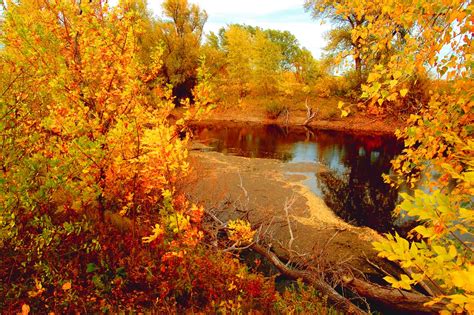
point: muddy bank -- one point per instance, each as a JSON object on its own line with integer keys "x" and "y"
{"x": 261, "y": 187}
{"x": 359, "y": 123}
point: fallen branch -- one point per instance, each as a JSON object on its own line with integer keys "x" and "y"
{"x": 308, "y": 277}
{"x": 317, "y": 276}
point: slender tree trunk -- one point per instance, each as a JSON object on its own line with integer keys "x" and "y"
{"x": 358, "y": 68}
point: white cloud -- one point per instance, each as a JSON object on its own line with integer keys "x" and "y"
{"x": 286, "y": 15}
{"x": 225, "y": 8}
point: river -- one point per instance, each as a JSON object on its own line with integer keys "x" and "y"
{"x": 351, "y": 185}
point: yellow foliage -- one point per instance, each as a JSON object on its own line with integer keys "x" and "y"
{"x": 240, "y": 232}
{"x": 403, "y": 92}
{"x": 157, "y": 232}
{"x": 345, "y": 111}
{"x": 438, "y": 139}
{"x": 25, "y": 309}
{"x": 178, "y": 222}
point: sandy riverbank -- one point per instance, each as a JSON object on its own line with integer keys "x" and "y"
{"x": 261, "y": 187}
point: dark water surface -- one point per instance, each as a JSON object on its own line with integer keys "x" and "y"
{"x": 352, "y": 186}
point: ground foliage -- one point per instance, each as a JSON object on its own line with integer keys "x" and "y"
{"x": 90, "y": 216}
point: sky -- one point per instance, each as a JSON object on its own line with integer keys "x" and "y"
{"x": 285, "y": 15}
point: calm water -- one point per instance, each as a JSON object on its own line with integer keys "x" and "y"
{"x": 352, "y": 187}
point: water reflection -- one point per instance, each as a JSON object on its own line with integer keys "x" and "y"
{"x": 352, "y": 185}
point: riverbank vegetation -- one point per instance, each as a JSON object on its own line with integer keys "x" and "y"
{"x": 95, "y": 104}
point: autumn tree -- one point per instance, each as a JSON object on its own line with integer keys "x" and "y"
{"x": 343, "y": 43}
{"x": 289, "y": 47}
{"x": 307, "y": 68}
{"x": 238, "y": 44}
{"x": 266, "y": 63}
{"x": 287, "y": 42}
{"x": 215, "y": 58}
{"x": 181, "y": 32}
{"x": 344, "y": 20}
{"x": 80, "y": 139}
{"x": 261, "y": 60}
{"x": 148, "y": 39}
{"x": 437, "y": 159}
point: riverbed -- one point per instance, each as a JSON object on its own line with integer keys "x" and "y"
{"x": 333, "y": 179}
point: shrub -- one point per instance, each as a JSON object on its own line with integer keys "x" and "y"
{"x": 274, "y": 109}
{"x": 89, "y": 161}
{"x": 302, "y": 299}
{"x": 341, "y": 86}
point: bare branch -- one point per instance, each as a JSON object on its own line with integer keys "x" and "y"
{"x": 235, "y": 247}
{"x": 243, "y": 188}
{"x": 288, "y": 204}
{"x": 310, "y": 115}
{"x": 400, "y": 299}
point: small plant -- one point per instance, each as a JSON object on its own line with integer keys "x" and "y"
{"x": 104, "y": 278}
{"x": 301, "y": 299}
{"x": 273, "y": 110}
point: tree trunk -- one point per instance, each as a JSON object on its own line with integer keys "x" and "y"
{"x": 358, "y": 68}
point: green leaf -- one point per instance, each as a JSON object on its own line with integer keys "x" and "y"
{"x": 91, "y": 267}
{"x": 121, "y": 272}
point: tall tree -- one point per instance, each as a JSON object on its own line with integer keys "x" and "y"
{"x": 215, "y": 55}
{"x": 287, "y": 42}
{"x": 181, "y": 32}
{"x": 348, "y": 19}
{"x": 83, "y": 95}
{"x": 238, "y": 47}
{"x": 267, "y": 59}
{"x": 307, "y": 68}
{"x": 289, "y": 47}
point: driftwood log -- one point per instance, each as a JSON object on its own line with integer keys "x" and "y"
{"x": 394, "y": 298}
